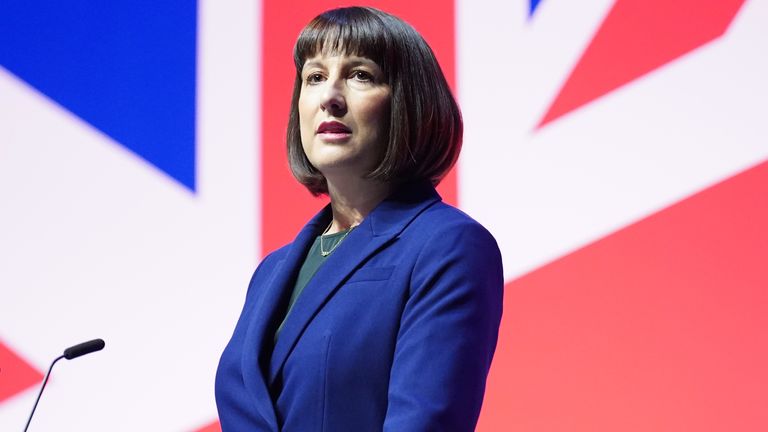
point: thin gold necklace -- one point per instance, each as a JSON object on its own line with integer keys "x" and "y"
{"x": 325, "y": 253}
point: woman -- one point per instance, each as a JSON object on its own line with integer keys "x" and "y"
{"x": 383, "y": 313}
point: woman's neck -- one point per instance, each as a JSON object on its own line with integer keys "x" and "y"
{"x": 351, "y": 201}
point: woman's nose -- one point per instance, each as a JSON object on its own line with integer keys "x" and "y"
{"x": 333, "y": 99}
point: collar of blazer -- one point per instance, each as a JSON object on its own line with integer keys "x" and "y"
{"x": 382, "y": 225}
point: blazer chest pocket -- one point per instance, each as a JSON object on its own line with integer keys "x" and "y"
{"x": 371, "y": 274}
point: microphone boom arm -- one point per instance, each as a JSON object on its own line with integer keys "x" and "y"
{"x": 69, "y": 354}
{"x": 40, "y": 393}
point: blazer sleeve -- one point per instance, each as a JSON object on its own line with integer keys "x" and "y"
{"x": 448, "y": 332}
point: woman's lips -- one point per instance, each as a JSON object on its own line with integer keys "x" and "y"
{"x": 332, "y": 127}
{"x": 333, "y": 131}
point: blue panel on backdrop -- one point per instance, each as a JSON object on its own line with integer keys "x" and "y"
{"x": 125, "y": 66}
{"x": 533, "y": 5}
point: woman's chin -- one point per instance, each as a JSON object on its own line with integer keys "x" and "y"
{"x": 338, "y": 163}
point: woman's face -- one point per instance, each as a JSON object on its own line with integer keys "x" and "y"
{"x": 344, "y": 108}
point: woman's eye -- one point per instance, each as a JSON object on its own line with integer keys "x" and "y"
{"x": 314, "y": 78}
{"x": 362, "y": 76}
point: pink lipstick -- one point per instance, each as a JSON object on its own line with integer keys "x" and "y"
{"x": 333, "y": 131}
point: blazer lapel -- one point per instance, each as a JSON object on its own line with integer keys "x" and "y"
{"x": 261, "y": 329}
{"x": 382, "y": 225}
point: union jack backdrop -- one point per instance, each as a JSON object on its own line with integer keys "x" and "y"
{"x": 617, "y": 149}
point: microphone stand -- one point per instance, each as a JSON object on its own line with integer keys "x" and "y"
{"x": 69, "y": 354}
{"x": 40, "y": 393}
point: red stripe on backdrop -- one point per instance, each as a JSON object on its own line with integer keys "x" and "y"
{"x": 286, "y": 205}
{"x": 636, "y": 37}
{"x": 16, "y": 375}
{"x": 212, "y": 427}
{"x": 658, "y": 327}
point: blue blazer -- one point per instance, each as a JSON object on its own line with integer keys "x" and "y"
{"x": 395, "y": 331}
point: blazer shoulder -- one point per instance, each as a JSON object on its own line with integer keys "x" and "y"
{"x": 445, "y": 235}
{"x": 444, "y": 219}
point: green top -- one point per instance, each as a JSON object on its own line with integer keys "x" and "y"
{"x": 311, "y": 264}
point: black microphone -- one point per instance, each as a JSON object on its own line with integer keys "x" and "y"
{"x": 83, "y": 349}
{"x": 69, "y": 353}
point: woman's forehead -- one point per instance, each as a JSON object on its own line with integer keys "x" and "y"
{"x": 339, "y": 40}
{"x": 327, "y": 52}
{"x": 334, "y": 46}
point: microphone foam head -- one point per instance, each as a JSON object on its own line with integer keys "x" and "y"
{"x": 83, "y": 348}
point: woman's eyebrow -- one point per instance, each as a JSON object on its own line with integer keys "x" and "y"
{"x": 351, "y": 61}
{"x": 312, "y": 63}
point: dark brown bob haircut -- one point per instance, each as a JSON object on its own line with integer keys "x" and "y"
{"x": 425, "y": 127}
